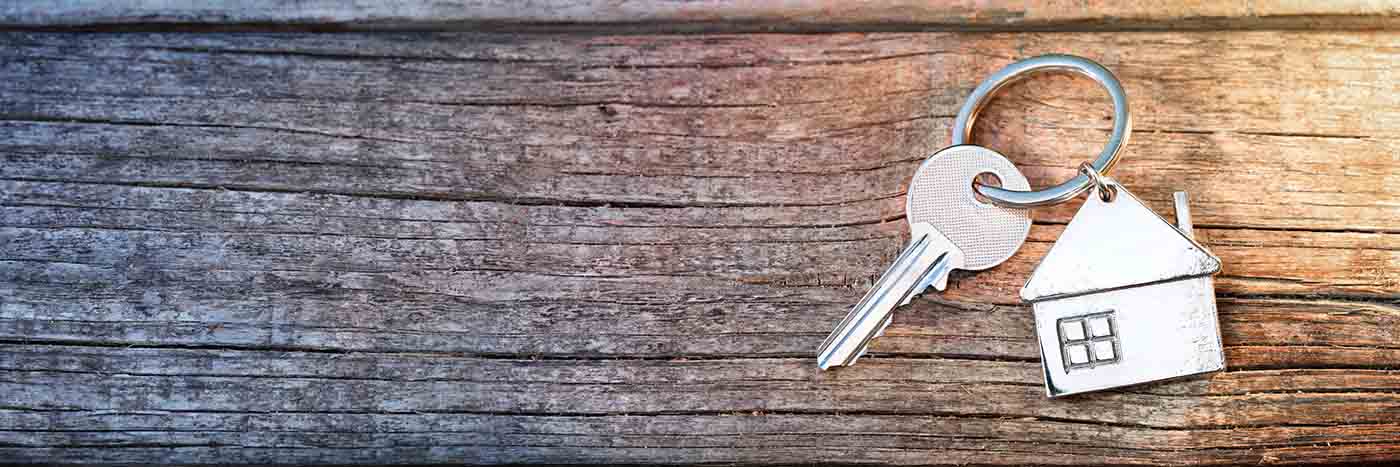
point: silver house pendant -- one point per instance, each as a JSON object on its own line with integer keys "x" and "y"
{"x": 1124, "y": 297}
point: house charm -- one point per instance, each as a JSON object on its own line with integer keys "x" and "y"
{"x": 1123, "y": 298}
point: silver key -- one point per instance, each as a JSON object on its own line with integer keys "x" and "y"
{"x": 950, "y": 229}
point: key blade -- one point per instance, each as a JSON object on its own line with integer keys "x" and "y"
{"x": 938, "y": 275}
{"x": 927, "y": 251}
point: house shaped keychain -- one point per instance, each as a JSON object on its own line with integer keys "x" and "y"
{"x": 1124, "y": 297}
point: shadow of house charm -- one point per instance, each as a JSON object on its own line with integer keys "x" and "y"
{"x": 1123, "y": 298}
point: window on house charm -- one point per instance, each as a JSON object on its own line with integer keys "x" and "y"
{"x": 1088, "y": 341}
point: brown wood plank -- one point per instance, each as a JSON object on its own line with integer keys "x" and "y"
{"x": 559, "y": 248}
{"x": 210, "y": 401}
{"x": 714, "y": 15}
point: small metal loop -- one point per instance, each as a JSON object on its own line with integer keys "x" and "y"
{"x": 1122, "y": 126}
{"x": 1106, "y": 192}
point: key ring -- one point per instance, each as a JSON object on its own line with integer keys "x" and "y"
{"x": 1106, "y": 192}
{"x": 1122, "y": 127}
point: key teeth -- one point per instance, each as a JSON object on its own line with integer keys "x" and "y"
{"x": 941, "y": 283}
{"x": 881, "y": 332}
{"x": 897, "y": 283}
{"x": 924, "y": 282}
{"x": 932, "y": 278}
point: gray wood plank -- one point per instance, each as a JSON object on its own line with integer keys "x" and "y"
{"x": 442, "y": 408}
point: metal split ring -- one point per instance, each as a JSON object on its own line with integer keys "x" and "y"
{"x": 1122, "y": 127}
{"x": 1105, "y": 191}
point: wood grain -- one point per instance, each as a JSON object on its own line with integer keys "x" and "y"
{"x": 710, "y": 15}
{"x": 480, "y": 248}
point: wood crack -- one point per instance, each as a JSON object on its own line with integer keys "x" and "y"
{"x": 438, "y": 196}
{"x": 32, "y": 118}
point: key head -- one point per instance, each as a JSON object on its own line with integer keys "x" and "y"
{"x": 941, "y": 194}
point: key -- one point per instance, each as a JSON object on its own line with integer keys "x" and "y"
{"x": 950, "y": 229}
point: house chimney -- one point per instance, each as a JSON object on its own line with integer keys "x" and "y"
{"x": 1183, "y": 214}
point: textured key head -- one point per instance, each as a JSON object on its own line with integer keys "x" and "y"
{"x": 941, "y": 194}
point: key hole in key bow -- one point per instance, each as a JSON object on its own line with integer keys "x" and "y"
{"x": 985, "y": 179}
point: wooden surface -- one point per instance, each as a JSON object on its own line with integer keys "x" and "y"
{"x": 480, "y": 248}
{"x": 706, "y": 15}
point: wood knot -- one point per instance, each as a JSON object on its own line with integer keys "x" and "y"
{"x": 607, "y": 111}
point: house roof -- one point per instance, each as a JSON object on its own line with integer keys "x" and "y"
{"x": 1116, "y": 244}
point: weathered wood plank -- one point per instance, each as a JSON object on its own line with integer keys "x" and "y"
{"x": 714, "y": 15}
{"x": 492, "y": 248}
{"x": 204, "y": 400}
{"x": 630, "y": 316}
{"x": 827, "y": 120}
{"x": 601, "y": 447}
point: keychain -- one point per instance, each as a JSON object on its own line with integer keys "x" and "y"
{"x": 1123, "y": 298}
